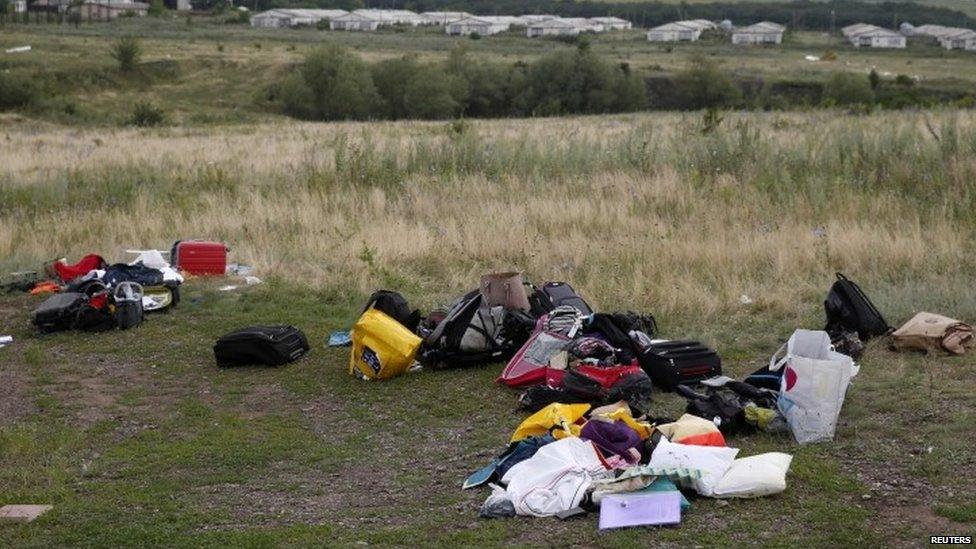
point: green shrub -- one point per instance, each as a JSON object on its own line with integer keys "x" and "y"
{"x": 874, "y": 79}
{"x": 475, "y": 36}
{"x": 146, "y": 115}
{"x": 157, "y": 8}
{"x": 390, "y": 77}
{"x": 431, "y": 93}
{"x": 127, "y": 52}
{"x": 704, "y": 86}
{"x": 239, "y": 17}
{"x": 844, "y": 89}
{"x": 579, "y": 82}
{"x": 15, "y": 91}
{"x": 330, "y": 84}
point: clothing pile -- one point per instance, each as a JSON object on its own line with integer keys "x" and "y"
{"x": 92, "y": 295}
{"x": 568, "y": 459}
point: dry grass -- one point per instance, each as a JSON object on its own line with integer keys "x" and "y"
{"x": 639, "y": 211}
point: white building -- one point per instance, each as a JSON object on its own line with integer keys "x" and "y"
{"x": 552, "y": 27}
{"x": 355, "y": 22}
{"x": 681, "y": 31}
{"x": 526, "y": 20}
{"x": 583, "y": 24}
{"x": 293, "y": 17}
{"x": 20, "y": 6}
{"x": 760, "y": 33}
{"x": 392, "y": 17}
{"x": 932, "y": 31}
{"x": 862, "y": 35}
{"x": 441, "y": 18}
{"x": 612, "y": 23}
{"x": 963, "y": 39}
{"x": 483, "y": 26}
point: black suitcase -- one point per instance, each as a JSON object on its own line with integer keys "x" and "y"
{"x": 267, "y": 345}
{"x": 59, "y": 312}
{"x": 555, "y": 294}
{"x": 672, "y": 363}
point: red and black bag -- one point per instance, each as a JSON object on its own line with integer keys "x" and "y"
{"x": 603, "y": 385}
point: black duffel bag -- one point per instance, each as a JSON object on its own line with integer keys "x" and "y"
{"x": 267, "y": 345}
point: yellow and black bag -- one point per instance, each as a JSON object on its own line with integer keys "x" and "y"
{"x": 381, "y": 347}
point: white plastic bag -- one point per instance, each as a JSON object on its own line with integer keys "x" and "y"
{"x": 813, "y": 386}
{"x": 755, "y": 476}
{"x": 709, "y": 462}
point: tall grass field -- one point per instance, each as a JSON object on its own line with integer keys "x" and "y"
{"x": 642, "y": 211}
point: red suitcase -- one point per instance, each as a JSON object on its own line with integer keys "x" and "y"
{"x": 200, "y": 257}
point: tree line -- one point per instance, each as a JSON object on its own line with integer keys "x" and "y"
{"x": 332, "y": 83}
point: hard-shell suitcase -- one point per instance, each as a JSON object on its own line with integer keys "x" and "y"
{"x": 200, "y": 257}
{"x": 59, "y": 312}
{"x": 267, "y": 345}
{"x": 671, "y": 363}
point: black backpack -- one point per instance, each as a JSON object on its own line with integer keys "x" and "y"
{"x": 849, "y": 310}
{"x": 726, "y": 405}
{"x": 442, "y": 347}
{"x": 396, "y": 306}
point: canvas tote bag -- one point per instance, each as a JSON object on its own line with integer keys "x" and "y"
{"x": 505, "y": 289}
{"x": 813, "y": 386}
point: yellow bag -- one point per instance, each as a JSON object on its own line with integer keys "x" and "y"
{"x": 381, "y": 347}
{"x": 560, "y": 419}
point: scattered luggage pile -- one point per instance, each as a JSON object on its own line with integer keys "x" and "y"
{"x": 586, "y": 378}
{"x": 93, "y": 295}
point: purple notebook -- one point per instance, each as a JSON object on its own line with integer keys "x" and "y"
{"x": 640, "y": 509}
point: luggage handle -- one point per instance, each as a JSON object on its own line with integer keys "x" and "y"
{"x": 775, "y": 365}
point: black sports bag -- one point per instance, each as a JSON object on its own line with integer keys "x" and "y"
{"x": 267, "y": 345}
{"x": 848, "y": 309}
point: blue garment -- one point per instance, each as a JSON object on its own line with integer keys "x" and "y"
{"x": 138, "y": 273}
{"x": 340, "y": 339}
{"x": 517, "y": 452}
